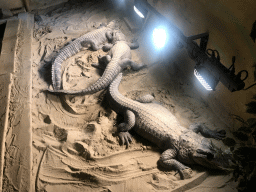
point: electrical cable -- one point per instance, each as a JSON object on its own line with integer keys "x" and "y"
{"x": 249, "y": 87}
{"x": 212, "y": 54}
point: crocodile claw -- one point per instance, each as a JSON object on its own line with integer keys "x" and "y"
{"x": 186, "y": 173}
{"x": 125, "y": 137}
{"x": 219, "y": 135}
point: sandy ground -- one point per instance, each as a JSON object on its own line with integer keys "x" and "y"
{"x": 67, "y": 130}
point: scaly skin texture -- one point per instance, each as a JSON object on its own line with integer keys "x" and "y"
{"x": 156, "y": 124}
{"x": 93, "y": 39}
{"x": 118, "y": 58}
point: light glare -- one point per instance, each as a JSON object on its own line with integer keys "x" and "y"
{"x": 138, "y": 12}
{"x": 202, "y": 81}
{"x": 159, "y": 37}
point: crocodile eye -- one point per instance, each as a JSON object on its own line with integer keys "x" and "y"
{"x": 208, "y": 154}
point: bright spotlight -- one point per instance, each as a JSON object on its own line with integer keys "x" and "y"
{"x": 202, "y": 81}
{"x": 206, "y": 78}
{"x": 138, "y": 12}
{"x": 159, "y": 37}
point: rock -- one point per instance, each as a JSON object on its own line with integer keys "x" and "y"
{"x": 90, "y": 128}
{"x": 60, "y": 134}
{"x": 83, "y": 149}
{"x": 229, "y": 141}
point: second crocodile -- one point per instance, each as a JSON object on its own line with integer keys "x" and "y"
{"x": 158, "y": 125}
{"x": 93, "y": 39}
{"x": 118, "y": 58}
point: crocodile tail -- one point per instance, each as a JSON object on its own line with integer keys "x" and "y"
{"x": 113, "y": 88}
{"x": 117, "y": 96}
{"x": 64, "y": 54}
{"x": 121, "y": 100}
{"x": 103, "y": 82}
{"x": 56, "y": 73}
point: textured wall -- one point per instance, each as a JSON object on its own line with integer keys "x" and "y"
{"x": 39, "y": 4}
{"x": 33, "y": 4}
{"x": 11, "y": 4}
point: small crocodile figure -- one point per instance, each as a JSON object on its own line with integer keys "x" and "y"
{"x": 156, "y": 124}
{"x": 93, "y": 40}
{"x": 118, "y": 58}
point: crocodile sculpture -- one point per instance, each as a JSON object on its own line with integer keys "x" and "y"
{"x": 156, "y": 124}
{"x": 118, "y": 58}
{"x": 93, "y": 40}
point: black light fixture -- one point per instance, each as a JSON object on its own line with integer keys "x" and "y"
{"x": 208, "y": 69}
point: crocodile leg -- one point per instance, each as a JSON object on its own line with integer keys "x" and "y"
{"x": 206, "y": 132}
{"x": 88, "y": 43}
{"x": 107, "y": 47}
{"x": 129, "y": 121}
{"x": 109, "y": 35}
{"x": 123, "y": 128}
{"x": 167, "y": 161}
{"x": 103, "y": 61}
{"x": 125, "y": 62}
{"x": 133, "y": 45}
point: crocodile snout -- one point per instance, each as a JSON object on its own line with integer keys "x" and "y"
{"x": 214, "y": 158}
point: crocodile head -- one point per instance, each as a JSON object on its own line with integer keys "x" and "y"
{"x": 114, "y": 24}
{"x": 118, "y": 36}
{"x": 209, "y": 155}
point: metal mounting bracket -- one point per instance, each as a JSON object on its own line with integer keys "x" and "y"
{"x": 203, "y": 39}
